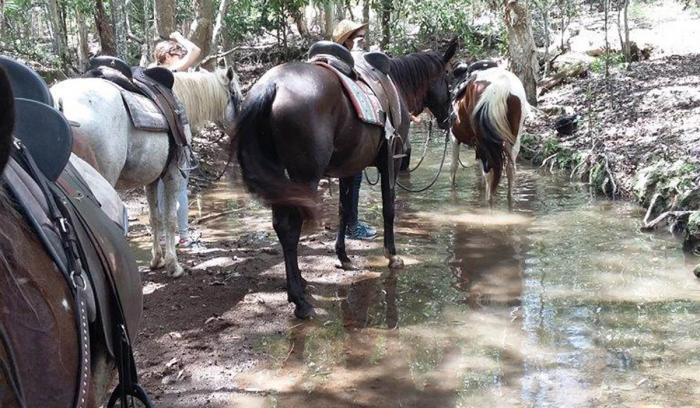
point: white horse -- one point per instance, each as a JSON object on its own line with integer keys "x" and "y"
{"x": 130, "y": 158}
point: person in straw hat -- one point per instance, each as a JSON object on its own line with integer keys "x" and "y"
{"x": 352, "y": 36}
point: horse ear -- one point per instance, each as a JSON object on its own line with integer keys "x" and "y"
{"x": 230, "y": 74}
{"x": 451, "y": 49}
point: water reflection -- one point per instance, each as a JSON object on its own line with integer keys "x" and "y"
{"x": 561, "y": 303}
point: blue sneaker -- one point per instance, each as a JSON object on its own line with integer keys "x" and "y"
{"x": 361, "y": 231}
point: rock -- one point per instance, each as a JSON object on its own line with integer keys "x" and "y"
{"x": 690, "y": 200}
{"x": 218, "y": 262}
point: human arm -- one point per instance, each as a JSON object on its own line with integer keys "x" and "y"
{"x": 192, "y": 56}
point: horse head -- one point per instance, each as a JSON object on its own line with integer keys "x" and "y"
{"x": 227, "y": 76}
{"x": 438, "y": 99}
{"x": 7, "y": 118}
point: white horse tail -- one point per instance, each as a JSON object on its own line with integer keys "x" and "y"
{"x": 493, "y": 102}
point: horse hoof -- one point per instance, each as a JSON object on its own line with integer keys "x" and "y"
{"x": 696, "y": 271}
{"x": 348, "y": 266}
{"x": 177, "y": 272}
{"x": 304, "y": 311}
{"x": 157, "y": 263}
{"x": 395, "y": 262}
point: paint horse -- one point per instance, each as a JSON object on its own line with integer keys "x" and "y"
{"x": 489, "y": 110}
{"x": 297, "y": 125}
{"x": 129, "y": 158}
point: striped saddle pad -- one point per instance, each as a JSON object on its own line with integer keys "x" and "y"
{"x": 366, "y": 104}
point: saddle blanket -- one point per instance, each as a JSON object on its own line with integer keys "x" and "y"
{"x": 144, "y": 113}
{"x": 366, "y": 104}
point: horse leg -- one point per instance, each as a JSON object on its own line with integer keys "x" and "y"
{"x": 287, "y": 224}
{"x": 490, "y": 179}
{"x": 510, "y": 174}
{"x": 345, "y": 202}
{"x": 388, "y": 212}
{"x": 155, "y": 221}
{"x": 172, "y": 186}
{"x": 455, "y": 161}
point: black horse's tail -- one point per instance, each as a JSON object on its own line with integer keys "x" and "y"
{"x": 489, "y": 148}
{"x": 262, "y": 170}
{"x": 7, "y": 118}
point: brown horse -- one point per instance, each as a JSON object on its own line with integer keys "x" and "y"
{"x": 297, "y": 126}
{"x": 490, "y": 112}
{"x": 39, "y": 342}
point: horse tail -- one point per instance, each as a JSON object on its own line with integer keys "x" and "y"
{"x": 7, "y": 118}
{"x": 491, "y": 117}
{"x": 262, "y": 172}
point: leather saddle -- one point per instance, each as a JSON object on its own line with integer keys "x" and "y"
{"x": 156, "y": 84}
{"x": 463, "y": 73}
{"x": 372, "y": 69}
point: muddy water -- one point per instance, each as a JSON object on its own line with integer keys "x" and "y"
{"x": 560, "y": 303}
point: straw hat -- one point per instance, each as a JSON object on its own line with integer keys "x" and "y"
{"x": 345, "y": 29}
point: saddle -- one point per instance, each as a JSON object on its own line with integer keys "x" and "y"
{"x": 87, "y": 246}
{"x": 366, "y": 80}
{"x": 465, "y": 75}
{"x": 148, "y": 96}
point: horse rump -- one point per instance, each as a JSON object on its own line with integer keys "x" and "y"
{"x": 262, "y": 171}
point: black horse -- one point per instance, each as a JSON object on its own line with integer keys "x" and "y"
{"x": 297, "y": 126}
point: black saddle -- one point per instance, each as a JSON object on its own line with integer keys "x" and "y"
{"x": 111, "y": 62}
{"x": 122, "y": 74}
{"x": 46, "y": 133}
{"x": 25, "y": 82}
{"x": 380, "y": 61}
{"x": 482, "y": 65}
{"x": 334, "y": 54}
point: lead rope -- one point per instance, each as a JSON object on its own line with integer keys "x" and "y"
{"x": 437, "y": 175}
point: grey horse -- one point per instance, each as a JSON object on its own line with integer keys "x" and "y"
{"x": 131, "y": 158}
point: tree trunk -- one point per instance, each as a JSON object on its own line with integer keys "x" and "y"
{"x": 626, "y": 46}
{"x": 83, "y": 50}
{"x": 164, "y": 14}
{"x": 146, "y": 46}
{"x": 365, "y": 19}
{"x": 218, "y": 26}
{"x": 387, "y": 6}
{"x": 104, "y": 30}
{"x": 202, "y": 28}
{"x": 606, "y": 55}
{"x": 300, "y": 21}
{"x": 328, "y": 19}
{"x": 57, "y": 23}
{"x": 521, "y": 46}
{"x": 120, "y": 29}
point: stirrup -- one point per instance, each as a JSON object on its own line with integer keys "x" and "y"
{"x": 136, "y": 392}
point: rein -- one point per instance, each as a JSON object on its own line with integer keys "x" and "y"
{"x": 437, "y": 175}
{"x": 392, "y": 143}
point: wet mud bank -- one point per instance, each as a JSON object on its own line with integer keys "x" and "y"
{"x": 638, "y": 138}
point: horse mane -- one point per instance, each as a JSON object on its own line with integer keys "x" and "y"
{"x": 413, "y": 74}
{"x": 204, "y": 96}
